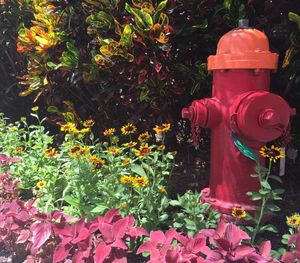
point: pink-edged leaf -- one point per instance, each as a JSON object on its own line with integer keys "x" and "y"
{"x": 62, "y": 228}
{"x": 221, "y": 228}
{"x": 102, "y": 251}
{"x": 182, "y": 239}
{"x": 56, "y": 214}
{"x": 29, "y": 259}
{"x": 84, "y": 233}
{"x": 265, "y": 248}
{"x": 243, "y": 251}
{"x": 24, "y": 236}
{"x": 40, "y": 233}
{"x": 137, "y": 231}
{"x": 146, "y": 247}
{"x": 120, "y": 227}
{"x": 173, "y": 255}
{"x": 110, "y": 214}
{"x": 214, "y": 256}
{"x": 41, "y": 216}
{"x": 119, "y": 243}
{"x": 61, "y": 252}
{"x": 234, "y": 235}
{"x": 23, "y": 216}
{"x": 170, "y": 235}
{"x": 196, "y": 245}
{"x": 222, "y": 244}
{"x": 288, "y": 257}
{"x": 107, "y": 232}
{"x": 158, "y": 237}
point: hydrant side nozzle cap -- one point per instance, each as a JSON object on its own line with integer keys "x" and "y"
{"x": 243, "y": 48}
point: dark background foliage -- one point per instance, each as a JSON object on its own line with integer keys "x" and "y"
{"x": 147, "y": 77}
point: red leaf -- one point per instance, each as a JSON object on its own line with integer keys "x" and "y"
{"x": 119, "y": 228}
{"x": 102, "y": 251}
{"x": 61, "y": 252}
{"x": 40, "y": 233}
{"x": 84, "y": 233}
{"x": 110, "y": 214}
{"x": 23, "y": 237}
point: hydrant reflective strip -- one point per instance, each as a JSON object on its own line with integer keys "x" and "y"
{"x": 243, "y": 148}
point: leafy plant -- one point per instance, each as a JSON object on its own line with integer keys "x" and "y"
{"x": 266, "y": 194}
{"x": 193, "y": 214}
{"x": 83, "y": 176}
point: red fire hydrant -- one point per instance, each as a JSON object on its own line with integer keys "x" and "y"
{"x": 241, "y": 104}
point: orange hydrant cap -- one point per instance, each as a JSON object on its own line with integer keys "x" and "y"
{"x": 243, "y": 49}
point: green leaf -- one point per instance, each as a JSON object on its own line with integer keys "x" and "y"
{"x": 52, "y": 109}
{"x": 294, "y": 18}
{"x": 72, "y": 200}
{"x": 99, "y": 209}
{"x": 265, "y": 184}
{"x": 175, "y": 203}
{"x": 256, "y": 196}
{"x": 244, "y": 149}
{"x": 161, "y": 5}
{"x": 276, "y": 178}
{"x": 278, "y": 191}
{"x": 273, "y": 208}
{"x": 143, "y": 20}
{"x": 269, "y": 228}
{"x": 126, "y": 37}
{"x": 138, "y": 170}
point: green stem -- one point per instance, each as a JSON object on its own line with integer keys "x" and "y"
{"x": 263, "y": 204}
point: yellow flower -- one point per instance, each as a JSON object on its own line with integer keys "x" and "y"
{"x": 123, "y": 205}
{"x": 139, "y": 181}
{"x": 161, "y": 148}
{"x": 272, "y": 153}
{"x": 113, "y": 150}
{"x": 130, "y": 144}
{"x": 69, "y": 126}
{"x": 238, "y": 213}
{"x": 126, "y": 161}
{"x": 129, "y": 128}
{"x": 125, "y": 179}
{"x": 161, "y": 189}
{"x": 23, "y": 119}
{"x": 174, "y": 153}
{"x": 84, "y": 150}
{"x": 98, "y": 163}
{"x": 143, "y": 151}
{"x": 50, "y": 152}
{"x": 293, "y": 220}
{"x": 88, "y": 123}
{"x": 18, "y": 150}
{"x": 162, "y": 128}
{"x": 109, "y": 132}
{"x": 41, "y": 184}
{"x": 84, "y": 130}
{"x": 144, "y": 137}
{"x": 36, "y": 108}
{"x": 77, "y": 150}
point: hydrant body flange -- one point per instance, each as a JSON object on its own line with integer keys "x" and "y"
{"x": 240, "y": 103}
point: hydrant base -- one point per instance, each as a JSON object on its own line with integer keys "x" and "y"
{"x": 222, "y": 206}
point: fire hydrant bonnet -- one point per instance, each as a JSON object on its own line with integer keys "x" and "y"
{"x": 243, "y": 49}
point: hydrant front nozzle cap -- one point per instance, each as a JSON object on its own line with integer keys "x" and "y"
{"x": 243, "y": 48}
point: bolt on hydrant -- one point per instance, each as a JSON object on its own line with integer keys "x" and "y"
{"x": 241, "y": 107}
